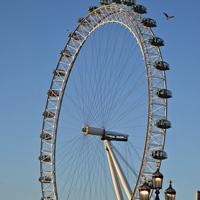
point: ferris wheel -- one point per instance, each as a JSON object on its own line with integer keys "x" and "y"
{"x": 105, "y": 119}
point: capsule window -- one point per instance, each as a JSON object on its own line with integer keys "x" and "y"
{"x": 129, "y": 2}
{"x": 45, "y": 179}
{"x": 161, "y": 65}
{"x": 140, "y": 9}
{"x": 117, "y": 1}
{"x": 91, "y": 9}
{"x": 104, "y": 2}
{"x": 164, "y": 93}
{"x": 156, "y": 41}
{"x": 148, "y": 22}
{"x": 163, "y": 124}
{"x": 159, "y": 154}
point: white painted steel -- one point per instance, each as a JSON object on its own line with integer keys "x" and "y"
{"x": 87, "y": 130}
{"x": 113, "y": 173}
{"x": 119, "y": 171}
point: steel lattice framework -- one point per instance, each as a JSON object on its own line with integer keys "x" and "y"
{"x": 157, "y": 108}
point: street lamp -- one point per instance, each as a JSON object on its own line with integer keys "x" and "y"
{"x": 144, "y": 191}
{"x": 170, "y": 193}
{"x": 156, "y": 184}
{"x": 157, "y": 180}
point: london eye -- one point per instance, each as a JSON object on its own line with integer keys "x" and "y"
{"x": 105, "y": 120}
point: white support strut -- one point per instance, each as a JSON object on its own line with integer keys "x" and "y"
{"x": 115, "y": 180}
{"x": 119, "y": 171}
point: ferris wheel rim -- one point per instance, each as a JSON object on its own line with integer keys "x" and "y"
{"x": 125, "y": 11}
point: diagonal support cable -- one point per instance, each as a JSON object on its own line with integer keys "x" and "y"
{"x": 125, "y": 162}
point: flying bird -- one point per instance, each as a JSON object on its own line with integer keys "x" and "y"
{"x": 167, "y": 16}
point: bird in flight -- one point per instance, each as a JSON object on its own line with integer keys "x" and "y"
{"x": 168, "y": 16}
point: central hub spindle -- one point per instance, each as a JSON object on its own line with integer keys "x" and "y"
{"x": 105, "y": 135}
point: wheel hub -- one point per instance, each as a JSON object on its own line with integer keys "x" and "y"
{"x": 104, "y": 134}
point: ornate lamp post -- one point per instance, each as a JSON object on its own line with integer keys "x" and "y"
{"x": 156, "y": 183}
{"x": 170, "y": 193}
{"x": 144, "y": 191}
{"x": 157, "y": 180}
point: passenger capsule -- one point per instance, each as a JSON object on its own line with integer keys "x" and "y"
{"x": 46, "y": 136}
{"x": 45, "y": 179}
{"x": 45, "y": 158}
{"x": 161, "y": 65}
{"x": 140, "y": 9}
{"x": 47, "y": 198}
{"x": 66, "y": 53}
{"x": 163, "y": 124}
{"x": 104, "y": 2}
{"x": 91, "y": 9}
{"x": 159, "y": 154}
{"x": 148, "y": 22}
{"x": 48, "y": 114}
{"x": 156, "y": 41}
{"x": 53, "y": 93}
{"x": 129, "y": 2}
{"x": 59, "y": 72}
{"x": 117, "y": 1}
{"x": 164, "y": 93}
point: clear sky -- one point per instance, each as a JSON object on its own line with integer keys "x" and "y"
{"x": 32, "y": 33}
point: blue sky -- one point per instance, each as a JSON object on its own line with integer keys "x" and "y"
{"x": 33, "y": 32}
